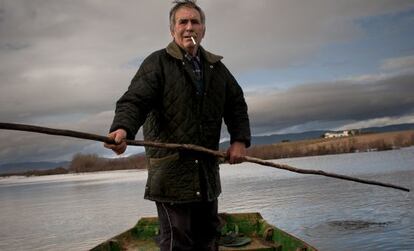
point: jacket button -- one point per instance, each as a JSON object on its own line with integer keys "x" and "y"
{"x": 211, "y": 66}
{"x": 198, "y": 193}
{"x": 183, "y": 63}
{"x": 196, "y": 161}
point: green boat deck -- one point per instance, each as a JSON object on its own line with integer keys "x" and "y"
{"x": 264, "y": 237}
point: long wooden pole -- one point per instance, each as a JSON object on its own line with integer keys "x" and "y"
{"x": 83, "y": 135}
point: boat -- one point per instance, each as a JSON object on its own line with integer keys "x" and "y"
{"x": 240, "y": 231}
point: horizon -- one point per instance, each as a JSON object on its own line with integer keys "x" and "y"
{"x": 142, "y": 152}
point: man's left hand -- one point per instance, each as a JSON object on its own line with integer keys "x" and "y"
{"x": 236, "y": 152}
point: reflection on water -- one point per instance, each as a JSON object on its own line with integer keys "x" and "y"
{"x": 76, "y": 212}
{"x": 335, "y": 227}
{"x": 352, "y": 225}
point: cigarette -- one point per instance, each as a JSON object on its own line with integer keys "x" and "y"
{"x": 192, "y": 39}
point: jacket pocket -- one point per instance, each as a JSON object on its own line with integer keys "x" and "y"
{"x": 171, "y": 178}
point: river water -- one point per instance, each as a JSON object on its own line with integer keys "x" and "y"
{"x": 78, "y": 211}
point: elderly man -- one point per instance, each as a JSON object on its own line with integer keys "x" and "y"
{"x": 181, "y": 94}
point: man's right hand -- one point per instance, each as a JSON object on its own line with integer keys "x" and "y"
{"x": 118, "y": 136}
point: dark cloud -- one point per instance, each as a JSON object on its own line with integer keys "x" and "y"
{"x": 346, "y": 100}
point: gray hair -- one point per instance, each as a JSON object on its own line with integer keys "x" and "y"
{"x": 185, "y": 3}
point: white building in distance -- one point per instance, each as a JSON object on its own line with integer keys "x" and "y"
{"x": 336, "y": 134}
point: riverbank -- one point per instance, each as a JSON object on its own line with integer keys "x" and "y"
{"x": 359, "y": 143}
{"x": 324, "y": 146}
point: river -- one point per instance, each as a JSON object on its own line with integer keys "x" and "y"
{"x": 78, "y": 211}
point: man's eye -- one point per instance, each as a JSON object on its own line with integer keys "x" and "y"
{"x": 183, "y": 21}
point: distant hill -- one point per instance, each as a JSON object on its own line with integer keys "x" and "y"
{"x": 277, "y": 138}
{"x": 390, "y": 128}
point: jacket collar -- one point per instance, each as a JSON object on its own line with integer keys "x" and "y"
{"x": 174, "y": 50}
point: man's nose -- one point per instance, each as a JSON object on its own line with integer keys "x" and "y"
{"x": 189, "y": 26}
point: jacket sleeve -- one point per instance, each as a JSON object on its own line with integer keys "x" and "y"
{"x": 235, "y": 112}
{"x": 142, "y": 94}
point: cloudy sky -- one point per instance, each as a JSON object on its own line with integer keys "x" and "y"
{"x": 304, "y": 65}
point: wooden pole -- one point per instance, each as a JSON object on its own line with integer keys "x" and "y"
{"x": 83, "y": 135}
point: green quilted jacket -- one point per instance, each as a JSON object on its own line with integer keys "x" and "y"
{"x": 162, "y": 97}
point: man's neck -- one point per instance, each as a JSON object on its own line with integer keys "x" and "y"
{"x": 193, "y": 52}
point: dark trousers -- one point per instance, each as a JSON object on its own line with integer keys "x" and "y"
{"x": 188, "y": 226}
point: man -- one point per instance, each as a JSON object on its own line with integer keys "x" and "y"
{"x": 181, "y": 94}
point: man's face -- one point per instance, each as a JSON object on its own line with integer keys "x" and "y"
{"x": 187, "y": 24}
